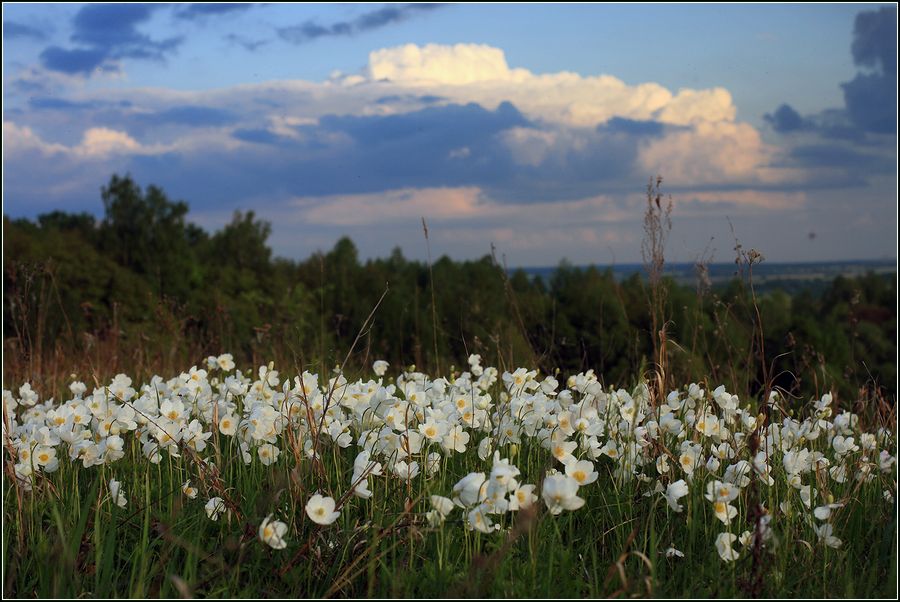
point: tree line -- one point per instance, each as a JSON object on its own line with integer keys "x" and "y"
{"x": 143, "y": 289}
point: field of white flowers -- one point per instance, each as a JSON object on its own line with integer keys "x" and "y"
{"x": 218, "y": 482}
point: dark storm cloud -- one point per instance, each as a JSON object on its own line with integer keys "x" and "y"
{"x": 786, "y": 119}
{"x": 385, "y": 152}
{"x": 870, "y": 99}
{"x": 106, "y": 32}
{"x": 310, "y": 30}
{"x": 13, "y": 30}
{"x": 875, "y": 39}
{"x": 872, "y": 102}
{"x": 450, "y": 145}
{"x": 851, "y": 144}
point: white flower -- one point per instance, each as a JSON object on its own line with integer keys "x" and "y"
{"x": 719, "y": 491}
{"x": 485, "y": 447}
{"x": 406, "y": 471}
{"x": 582, "y": 471}
{"x": 268, "y": 453}
{"x": 479, "y": 520}
{"x": 188, "y": 490}
{"x": 662, "y": 464}
{"x": 725, "y": 511}
{"x": 824, "y": 512}
{"x": 228, "y": 425}
{"x": 467, "y": 490}
{"x": 442, "y": 504}
{"x": 843, "y": 445}
{"x": 560, "y": 492}
{"x": 321, "y": 510}
{"x": 671, "y": 552}
{"x": 432, "y": 430}
{"x": 674, "y": 492}
{"x": 723, "y": 546}
{"x": 826, "y": 535}
{"x": 434, "y": 518}
{"x": 45, "y": 457}
{"x": 380, "y": 367}
{"x": 214, "y": 507}
{"x": 272, "y": 533}
{"x": 522, "y": 497}
{"x": 688, "y": 461}
{"x": 78, "y": 388}
{"x": 115, "y": 492}
{"x": 726, "y": 400}
{"x": 225, "y": 362}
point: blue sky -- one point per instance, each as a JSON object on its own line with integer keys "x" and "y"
{"x": 532, "y": 127}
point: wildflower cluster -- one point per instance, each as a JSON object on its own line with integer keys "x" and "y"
{"x": 693, "y": 448}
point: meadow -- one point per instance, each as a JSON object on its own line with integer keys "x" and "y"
{"x": 216, "y": 482}
{"x": 209, "y": 421}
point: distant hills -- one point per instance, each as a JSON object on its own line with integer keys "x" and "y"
{"x": 790, "y": 277}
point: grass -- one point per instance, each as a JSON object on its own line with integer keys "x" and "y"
{"x": 66, "y": 538}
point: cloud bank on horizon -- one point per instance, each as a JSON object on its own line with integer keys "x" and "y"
{"x": 545, "y": 165}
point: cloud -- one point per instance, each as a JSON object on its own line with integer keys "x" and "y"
{"x": 715, "y": 153}
{"x": 106, "y": 33}
{"x": 13, "y": 31}
{"x": 454, "y": 204}
{"x": 872, "y": 102}
{"x": 189, "y": 116}
{"x": 462, "y": 221}
{"x": 765, "y": 199}
{"x": 786, "y": 119}
{"x": 487, "y": 151}
{"x": 376, "y": 19}
{"x": 18, "y": 140}
{"x": 77, "y": 61}
{"x": 875, "y": 39}
{"x": 51, "y": 103}
{"x": 96, "y": 143}
{"x": 480, "y": 73}
{"x": 201, "y": 11}
{"x": 632, "y": 127}
{"x": 870, "y": 98}
{"x": 257, "y": 136}
{"x": 246, "y": 43}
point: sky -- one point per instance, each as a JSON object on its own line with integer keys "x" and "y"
{"x": 533, "y": 128}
